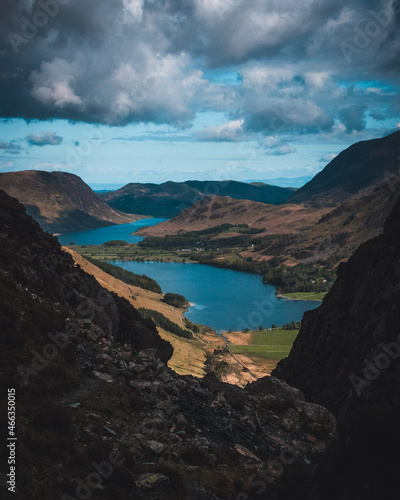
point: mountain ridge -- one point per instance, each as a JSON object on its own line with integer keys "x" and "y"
{"x": 360, "y": 165}
{"x": 170, "y": 198}
{"x": 60, "y": 201}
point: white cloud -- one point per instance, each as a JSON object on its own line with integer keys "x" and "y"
{"x": 229, "y": 132}
{"x": 44, "y": 139}
{"x": 52, "y": 84}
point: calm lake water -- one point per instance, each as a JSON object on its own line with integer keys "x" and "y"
{"x": 223, "y": 299}
{"x": 100, "y": 235}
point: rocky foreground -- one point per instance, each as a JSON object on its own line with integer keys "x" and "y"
{"x": 100, "y": 415}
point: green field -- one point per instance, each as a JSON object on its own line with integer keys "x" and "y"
{"x": 305, "y": 295}
{"x": 269, "y": 344}
{"x": 130, "y": 252}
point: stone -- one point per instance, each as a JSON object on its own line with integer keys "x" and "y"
{"x": 151, "y": 481}
{"x": 154, "y": 447}
{"x": 103, "y": 376}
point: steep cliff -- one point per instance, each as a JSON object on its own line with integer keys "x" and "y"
{"x": 346, "y": 358}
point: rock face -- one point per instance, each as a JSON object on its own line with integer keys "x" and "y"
{"x": 346, "y": 358}
{"x": 102, "y": 416}
{"x": 59, "y": 201}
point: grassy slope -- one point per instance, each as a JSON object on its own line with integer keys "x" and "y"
{"x": 306, "y": 295}
{"x": 269, "y": 344}
{"x": 188, "y": 357}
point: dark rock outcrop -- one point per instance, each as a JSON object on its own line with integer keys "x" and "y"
{"x": 347, "y": 358}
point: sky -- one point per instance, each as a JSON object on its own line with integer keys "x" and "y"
{"x": 120, "y": 91}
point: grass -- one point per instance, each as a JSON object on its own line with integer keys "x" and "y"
{"x": 268, "y": 344}
{"x": 305, "y": 295}
{"x": 129, "y": 252}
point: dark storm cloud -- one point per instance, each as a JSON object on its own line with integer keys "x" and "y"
{"x": 124, "y": 61}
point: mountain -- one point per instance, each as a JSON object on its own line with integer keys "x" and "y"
{"x": 346, "y": 357}
{"x": 213, "y": 211}
{"x": 170, "y": 198}
{"x": 340, "y": 231}
{"x": 289, "y": 182}
{"x": 59, "y": 201}
{"x": 100, "y": 414}
{"x": 342, "y": 207}
{"x": 359, "y": 166}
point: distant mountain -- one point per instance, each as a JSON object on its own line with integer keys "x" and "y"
{"x": 59, "y": 201}
{"x": 214, "y": 211}
{"x": 359, "y": 166}
{"x": 170, "y": 198}
{"x": 294, "y": 232}
{"x": 290, "y": 182}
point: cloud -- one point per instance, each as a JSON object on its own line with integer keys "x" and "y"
{"x": 135, "y": 61}
{"x": 353, "y": 118}
{"x": 10, "y": 148}
{"x": 327, "y": 158}
{"x": 284, "y": 150}
{"x": 45, "y": 139}
{"x": 229, "y": 132}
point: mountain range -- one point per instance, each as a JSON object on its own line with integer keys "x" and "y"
{"x": 170, "y": 198}
{"x": 59, "y": 201}
{"x": 340, "y": 208}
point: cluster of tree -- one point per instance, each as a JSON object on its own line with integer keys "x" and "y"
{"x": 293, "y": 325}
{"x": 300, "y": 278}
{"x": 126, "y": 276}
{"x": 115, "y": 243}
{"x": 213, "y": 365}
{"x": 176, "y": 300}
{"x": 165, "y": 323}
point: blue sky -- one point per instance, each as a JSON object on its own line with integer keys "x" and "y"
{"x": 144, "y": 91}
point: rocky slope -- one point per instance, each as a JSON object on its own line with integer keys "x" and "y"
{"x": 359, "y": 166}
{"x": 213, "y": 211}
{"x": 59, "y": 201}
{"x": 170, "y": 198}
{"x": 100, "y": 415}
{"x": 346, "y": 357}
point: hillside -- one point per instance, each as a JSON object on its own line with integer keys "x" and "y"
{"x": 342, "y": 207}
{"x": 214, "y": 211}
{"x": 188, "y": 357}
{"x": 100, "y": 414}
{"x": 59, "y": 201}
{"x": 358, "y": 167}
{"x": 168, "y": 199}
{"x": 346, "y": 357}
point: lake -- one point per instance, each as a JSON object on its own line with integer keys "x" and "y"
{"x": 100, "y": 235}
{"x": 223, "y": 299}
